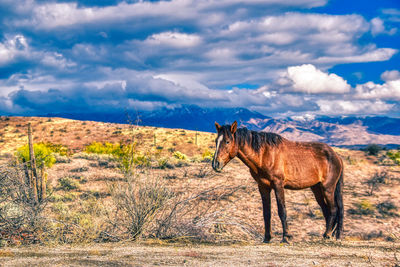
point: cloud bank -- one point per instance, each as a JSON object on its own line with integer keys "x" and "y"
{"x": 275, "y": 57}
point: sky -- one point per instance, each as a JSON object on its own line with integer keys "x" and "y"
{"x": 279, "y": 58}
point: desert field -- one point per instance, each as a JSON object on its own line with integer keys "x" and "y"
{"x": 199, "y": 217}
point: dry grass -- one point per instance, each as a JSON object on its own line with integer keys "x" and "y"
{"x": 65, "y": 131}
{"x": 221, "y": 208}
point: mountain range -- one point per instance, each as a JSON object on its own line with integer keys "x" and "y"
{"x": 340, "y": 131}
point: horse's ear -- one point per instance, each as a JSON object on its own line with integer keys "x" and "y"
{"x": 217, "y": 126}
{"x": 233, "y": 127}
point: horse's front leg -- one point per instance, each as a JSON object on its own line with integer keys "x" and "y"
{"x": 280, "y": 199}
{"x": 265, "y": 193}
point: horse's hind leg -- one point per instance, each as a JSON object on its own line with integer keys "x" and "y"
{"x": 319, "y": 196}
{"x": 329, "y": 197}
{"x": 265, "y": 193}
{"x": 280, "y": 199}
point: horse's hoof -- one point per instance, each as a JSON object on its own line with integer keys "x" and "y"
{"x": 328, "y": 237}
{"x": 267, "y": 240}
{"x": 284, "y": 241}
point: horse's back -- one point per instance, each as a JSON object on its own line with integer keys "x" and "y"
{"x": 308, "y": 163}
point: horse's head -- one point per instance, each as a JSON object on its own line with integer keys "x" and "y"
{"x": 226, "y": 146}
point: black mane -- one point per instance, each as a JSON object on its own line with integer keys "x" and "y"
{"x": 257, "y": 139}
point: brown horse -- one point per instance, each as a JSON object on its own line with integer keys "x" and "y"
{"x": 277, "y": 163}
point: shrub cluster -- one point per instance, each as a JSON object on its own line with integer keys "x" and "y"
{"x": 373, "y": 149}
{"x": 126, "y": 154}
{"x": 395, "y": 156}
{"x": 43, "y": 154}
{"x": 179, "y": 155}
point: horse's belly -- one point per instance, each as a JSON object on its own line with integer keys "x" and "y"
{"x": 303, "y": 179}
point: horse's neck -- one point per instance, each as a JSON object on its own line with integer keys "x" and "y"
{"x": 250, "y": 158}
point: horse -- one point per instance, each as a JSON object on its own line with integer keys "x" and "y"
{"x": 277, "y": 164}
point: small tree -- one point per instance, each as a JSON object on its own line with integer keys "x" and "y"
{"x": 373, "y": 149}
{"x": 35, "y": 157}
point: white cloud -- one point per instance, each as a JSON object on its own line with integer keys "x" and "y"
{"x": 174, "y": 39}
{"x": 377, "y": 26}
{"x": 54, "y": 15}
{"x": 390, "y": 75}
{"x": 221, "y": 54}
{"x": 390, "y": 90}
{"x": 337, "y": 107}
{"x": 12, "y": 47}
{"x": 56, "y": 60}
{"x": 374, "y": 54}
{"x": 308, "y": 79}
{"x": 184, "y": 80}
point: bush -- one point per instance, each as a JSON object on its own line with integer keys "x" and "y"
{"x": 164, "y": 164}
{"x": 179, "y": 155}
{"x": 80, "y": 169}
{"x": 387, "y": 209}
{"x": 395, "y": 156}
{"x": 376, "y": 180}
{"x": 75, "y": 224}
{"x": 207, "y": 156}
{"x": 21, "y": 220}
{"x": 61, "y": 158}
{"x": 364, "y": 207}
{"x": 126, "y": 155}
{"x": 373, "y": 149}
{"x": 137, "y": 201}
{"x": 67, "y": 184}
{"x": 105, "y": 148}
{"x": 43, "y": 155}
{"x": 58, "y": 148}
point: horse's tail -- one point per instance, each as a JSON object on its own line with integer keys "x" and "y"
{"x": 339, "y": 206}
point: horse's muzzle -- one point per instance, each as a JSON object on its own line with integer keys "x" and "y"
{"x": 217, "y": 166}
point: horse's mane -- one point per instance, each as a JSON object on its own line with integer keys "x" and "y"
{"x": 257, "y": 139}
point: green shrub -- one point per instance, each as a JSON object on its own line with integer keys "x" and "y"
{"x": 43, "y": 155}
{"x": 105, "y": 148}
{"x": 207, "y": 156}
{"x": 163, "y": 163}
{"x": 126, "y": 155}
{"x": 395, "y": 156}
{"x": 373, "y": 149}
{"x": 364, "y": 207}
{"x": 58, "y": 148}
{"x": 180, "y": 155}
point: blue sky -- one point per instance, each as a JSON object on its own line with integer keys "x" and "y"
{"x": 280, "y": 58}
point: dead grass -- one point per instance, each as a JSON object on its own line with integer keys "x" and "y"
{"x": 227, "y": 204}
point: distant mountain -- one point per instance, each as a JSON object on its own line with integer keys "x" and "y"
{"x": 196, "y": 118}
{"x": 335, "y": 131}
{"x": 341, "y": 131}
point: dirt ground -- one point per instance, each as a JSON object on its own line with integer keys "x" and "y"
{"x": 228, "y": 202}
{"x": 327, "y": 253}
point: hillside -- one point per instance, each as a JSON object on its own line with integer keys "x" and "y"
{"x": 214, "y": 208}
{"x": 338, "y": 131}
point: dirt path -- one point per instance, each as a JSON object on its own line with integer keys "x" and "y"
{"x": 299, "y": 254}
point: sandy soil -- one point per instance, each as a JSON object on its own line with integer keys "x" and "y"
{"x": 299, "y": 254}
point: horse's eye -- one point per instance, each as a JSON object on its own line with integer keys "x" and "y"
{"x": 227, "y": 141}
